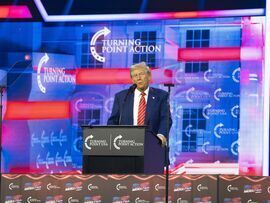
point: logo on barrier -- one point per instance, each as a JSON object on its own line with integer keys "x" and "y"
{"x": 50, "y": 186}
{"x": 251, "y": 201}
{"x": 139, "y": 200}
{"x": 253, "y": 188}
{"x": 180, "y": 200}
{"x": 73, "y": 186}
{"x": 13, "y": 186}
{"x": 13, "y": 198}
{"x": 32, "y": 186}
{"x": 182, "y": 187}
{"x": 31, "y": 199}
{"x": 119, "y": 45}
{"x": 234, "y": 200}
{"x": 73, "y": 200}
{"x": 91, "y": 187}
{"x": 123, "y": 199}
{"x": 207, "y": 199}
{"x": 145, "y": 187}
{"x": 268, "y": 189}
{"x": 92, "y": 199}
{"x": 159, "y": 187}
{"x": 120, "y": 187}
{"x": 231, "y": 188}
{"x": 201, "y": 187}
{"x": 158, "y": 200}
{"x": 55, "y": 199}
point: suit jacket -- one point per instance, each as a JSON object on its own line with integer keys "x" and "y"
{"x": 156, "y": 120}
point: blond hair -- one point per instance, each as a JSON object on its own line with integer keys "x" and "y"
{"x": 140, "y": 65}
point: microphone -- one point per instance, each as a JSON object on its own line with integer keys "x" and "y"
{"x": 131, "y": 89}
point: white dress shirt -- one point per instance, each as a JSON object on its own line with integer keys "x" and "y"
{"x": 137, "y": 97}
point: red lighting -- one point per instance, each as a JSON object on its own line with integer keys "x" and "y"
{"x": 37, "y": 110}
{"x": 103, "y": 76}
{"x": 15, "y": 12}
{"x": 118, "y": 76}
{"x": 209, "y": 54}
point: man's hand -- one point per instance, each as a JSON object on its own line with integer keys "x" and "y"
{"x": 163, "y": 140}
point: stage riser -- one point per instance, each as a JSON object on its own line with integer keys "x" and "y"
{"x": 134, "y": 189}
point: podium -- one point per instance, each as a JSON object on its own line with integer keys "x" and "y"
{"x": 113, "y": 149}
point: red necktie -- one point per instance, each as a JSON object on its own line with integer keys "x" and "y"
{"x": 141, "y": 111}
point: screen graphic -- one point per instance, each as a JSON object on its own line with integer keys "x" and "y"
{"x": 62, "y": 76}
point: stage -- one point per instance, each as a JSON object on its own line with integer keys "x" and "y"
{"x": 134, "y": 188}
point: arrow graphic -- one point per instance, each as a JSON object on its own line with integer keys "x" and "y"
{"x": 43, "y": 60}
{"x": 105, "y": 31}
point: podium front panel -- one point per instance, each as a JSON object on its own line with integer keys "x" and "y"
{"x": 113, "y": 140}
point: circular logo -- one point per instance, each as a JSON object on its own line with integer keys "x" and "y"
{"x": 115, "y": 142}
{"x": 105, "y": 31}
{"x": 220, "y": 125}
{"x": 188, "y": 94}
{"x": 86, "y": 141}
{"x": 236, "y": 75}
{"x": 234, "y": 148}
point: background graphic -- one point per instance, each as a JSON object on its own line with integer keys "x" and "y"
{"x": 62, "y": 76}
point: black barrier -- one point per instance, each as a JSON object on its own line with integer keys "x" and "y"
{"x": 248, "y": 189}
{"x": 134, "y": 188}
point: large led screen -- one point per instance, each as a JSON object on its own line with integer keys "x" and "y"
{"x": 59, "y": 76}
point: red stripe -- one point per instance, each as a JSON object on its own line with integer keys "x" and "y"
{"x": 37, "y": 110}
{"x": 20, "y": 11}
{"x": 141, "y": 111}
{"x": 118, "y": 76}
{"x": 209, "y": 54}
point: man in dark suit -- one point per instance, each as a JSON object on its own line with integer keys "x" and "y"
{"x": 144, "y": 105}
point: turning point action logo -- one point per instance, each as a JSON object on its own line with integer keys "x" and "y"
{"x": 51, "y": 74}
{"x": 115, "y": 142}
{"x": 119, "y": 45}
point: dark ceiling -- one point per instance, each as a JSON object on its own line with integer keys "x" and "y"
{"x": 145, "y": 6}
